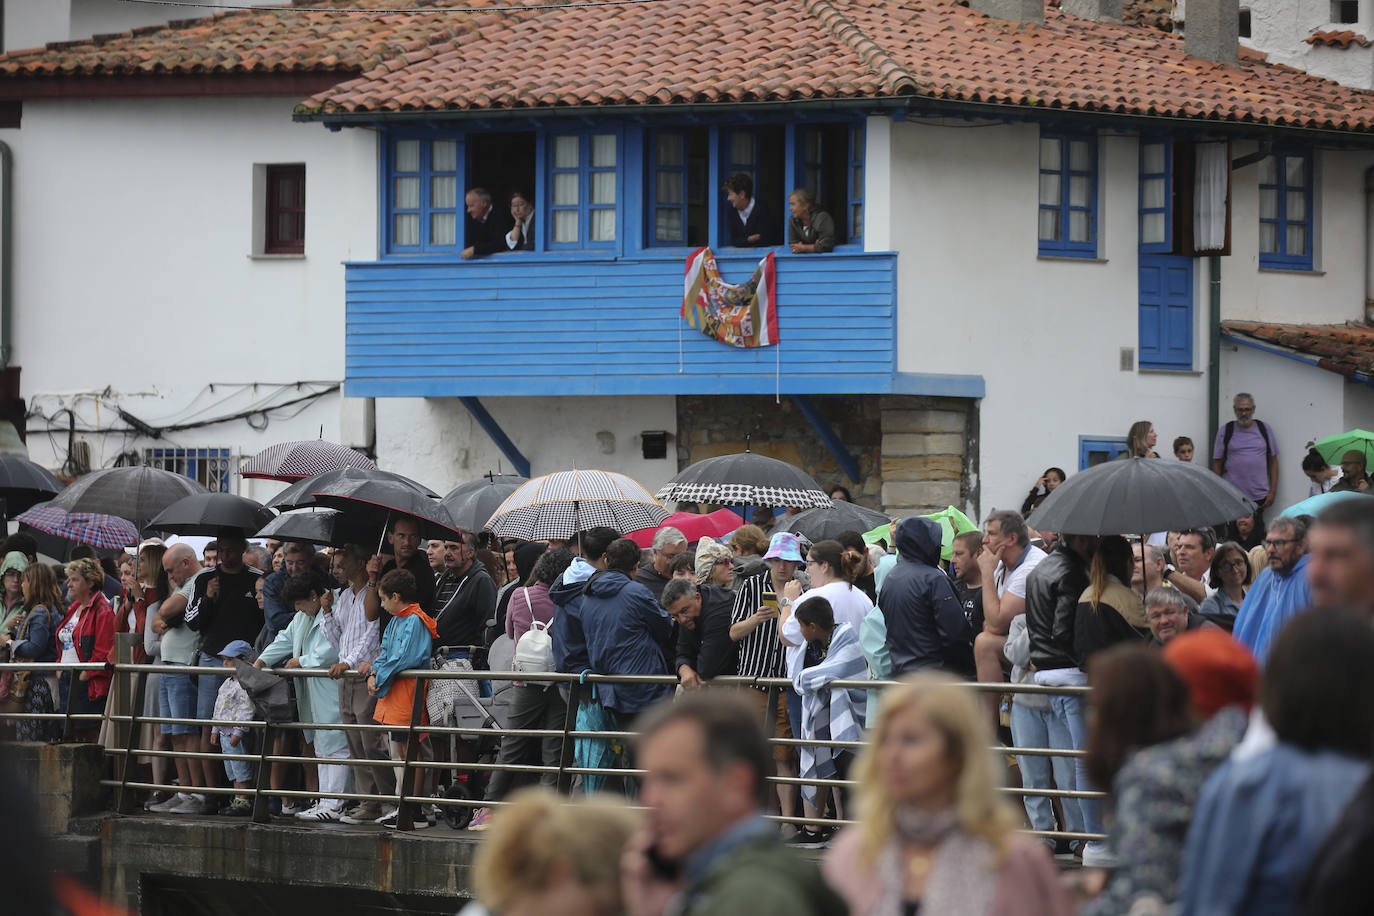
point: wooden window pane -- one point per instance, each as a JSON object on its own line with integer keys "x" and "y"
{"x": 1295, "y": 239}
{"x": 565, "y": 189}
{"x": 1152, "y": 228}
{"x": 1079, "y": 188}
{"x": 668, "y": 188}
{"x": 668, "y": 150}
{"x": 407, "y": 194}
{"x": 565, "y": 225}
{"x": 1152, "y": 159}
{"x": 1078, "y": 226}
{"x": 1049, "y": 225}
{"x": 566, "y": 152}
{"x": 856, "y": 221}
{"x": 407, "y": 155}
{"x": 1269, "y": 238}
{"x": 1080, "y": 156}
{"x": 1050, "y": 156}
{"x": 406, "y": 229}
{"x": 1049, "y": 190}
{"x": 1297, "y": 206}
{"x": 603, "y": 188}
{"x": 1268, "y": 170}
{"x": 443, "y": 192}
{"x": 444, "y": 156}
{"x": 668, "y": 225}
{"x": 603, "y": 225}
{"x": 1295, "y": 171}
{"x": 1152, "y": 193}
{"x": 1268, "y": 203}
{"x": 856, "y": 181}
{"x": 603, "y": 151}
{"x": 443, "y": 228}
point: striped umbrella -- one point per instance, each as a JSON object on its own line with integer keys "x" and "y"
{"x": 293, "y": 461}
{"x": 107, "y": 532}
{"x": 561, "y": 504}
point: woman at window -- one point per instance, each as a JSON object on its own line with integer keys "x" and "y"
{"x": 1231, "y": 573}
{"x": 34, "y": 641}
{"x": 1044, "y": 486}
{"x": 810, "y": 230}
{"x": 1140, "y": 440}
{"x": 85, "y": 635}
{"x": 934, "y": 834}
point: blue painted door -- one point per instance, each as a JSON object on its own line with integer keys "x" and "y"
{"x": 1165, "y": 285}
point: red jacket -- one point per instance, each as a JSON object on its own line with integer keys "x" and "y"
{"x": 121, "y": 622}
{"x": 94, "y": 640}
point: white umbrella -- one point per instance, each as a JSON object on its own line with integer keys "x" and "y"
{"x": 561, "y": 504}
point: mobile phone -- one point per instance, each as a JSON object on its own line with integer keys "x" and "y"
{"x": 663, "y": 868}
{"x": 770, "y": 599}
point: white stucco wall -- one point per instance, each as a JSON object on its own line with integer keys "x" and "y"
{"x": 133, "y": 277}
{"x": 1280, "y": 29}
{"x": 436, "y": 440}
{"x": 1045, "y": 334}
{"x": 1298, "y": 402}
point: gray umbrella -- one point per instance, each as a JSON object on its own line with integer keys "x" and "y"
{"x": 207, "y": 513}
{"x": 1140, "y": 496}
{"x": 134, "y": 493}
{"x": 319, "y": 526}
{"x": 301, "y": 494}
{"x": 472, "y": 503}
{"x": 820, "y": 524}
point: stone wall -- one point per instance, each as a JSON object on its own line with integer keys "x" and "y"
{"x": 914, "y": 453}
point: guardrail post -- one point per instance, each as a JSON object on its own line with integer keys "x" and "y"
{"x": 567, "y": 754}
{"x": 260, "y": 815}
{"x": 123, "y": 797}
{"x": 404, "y": 818}
{"x": 73, "y": 685}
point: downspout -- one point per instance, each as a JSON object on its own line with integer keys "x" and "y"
{"x": 6, "y": 254}
{"x": 1369, "y": 245}
{"x": 1213, "y": 347}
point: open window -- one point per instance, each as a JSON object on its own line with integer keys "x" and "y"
{"x": 830, "y": 164}
{"x": 760, "y": 153}
{"x": 503, "y": 163}
{"x": 678, "y": 203}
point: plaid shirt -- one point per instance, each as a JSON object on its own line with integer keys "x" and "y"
{"x": 348, "y": 629}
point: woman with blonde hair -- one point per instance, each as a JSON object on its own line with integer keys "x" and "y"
{"x": 547, "y": 856}
{"x": 934, "y": 834}
{"x": 1140, "y": 440}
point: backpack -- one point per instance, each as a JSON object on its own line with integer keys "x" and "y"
{"x": 1230, "y": 430}
{"x": 534, "y": 651}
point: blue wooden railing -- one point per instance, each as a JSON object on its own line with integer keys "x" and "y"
{"x": 524, "y": 324}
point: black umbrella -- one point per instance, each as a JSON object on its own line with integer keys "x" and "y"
{"x": 1140, "y": 496}
{"x": 134, "y": 493}
{"x": 206, "y": 513}
{"x": 819, "y": 524}
{"x": 329, "y": 527}
{"x": 470, "y": 505}
{"x": 301, "y": 494}
{"x": 745, "y": 479}
{"x": 374, "y": 502}
{"x": 24, "y": 484}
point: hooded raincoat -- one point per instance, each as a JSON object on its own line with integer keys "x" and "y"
{"x": 926, "y": 626}
{"x": 625, "y": 629}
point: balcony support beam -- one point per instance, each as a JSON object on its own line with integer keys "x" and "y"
{"x": 832, "y": 441}
{"x": 498, "y": 435}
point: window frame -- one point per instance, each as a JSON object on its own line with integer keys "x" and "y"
{"x": 1167, "y": 210}
{"x": 1063, "y": 247}
{"x": 425, "y": 210}
{"x": 187, "y": 462}
{"x": 584, "y": 206}
{"x": 1088, "y": 444}
{"x": 652, "y": 169}
{"x": 1282, "y": 260}
{"x": 273, "y": 207}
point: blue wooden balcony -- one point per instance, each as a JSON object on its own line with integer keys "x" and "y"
{"x": 524, "y": 324}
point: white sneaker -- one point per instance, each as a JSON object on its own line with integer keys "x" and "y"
{"x": 388, "y": 815}
{"x": 188, "y": 805}
{"x": 320, "y": 812}
{"x": 167, "y": 806}
{"x": 1097, "y": 854}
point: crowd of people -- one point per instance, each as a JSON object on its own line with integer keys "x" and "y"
{"x": 1214, "y": 762}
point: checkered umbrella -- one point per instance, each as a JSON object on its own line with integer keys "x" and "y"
{"x": 745, "y": 479}
{"x": 561, "y": 504}
{"x": 107, "y": 532}
{"x": 293, "y": 461}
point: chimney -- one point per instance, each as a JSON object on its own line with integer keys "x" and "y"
{"x": 1013, "y": 10}
{"x": 1096, "y": 10}
{"x": 1211, "y": 30}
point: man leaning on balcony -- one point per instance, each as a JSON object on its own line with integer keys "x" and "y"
{"x": 486, "y": 226}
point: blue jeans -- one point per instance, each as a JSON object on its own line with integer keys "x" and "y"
{"x": 1069, "y": 713}
{"x": 237, "y": 770}
{"x": 176, "y": 696}
{"x": 207, "y": 688}
{"x": 1032, "y": 727}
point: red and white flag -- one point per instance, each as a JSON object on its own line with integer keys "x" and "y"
{"x": 741, "y": 315}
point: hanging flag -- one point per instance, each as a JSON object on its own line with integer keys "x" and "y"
{"x": 741, "y": 315}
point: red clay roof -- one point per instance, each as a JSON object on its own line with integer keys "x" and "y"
{"x": 307, "y": 37}
{"x": 1346, "y": 349}
{"x": 694, "y": 51}
{"x": 1337, "y": 39}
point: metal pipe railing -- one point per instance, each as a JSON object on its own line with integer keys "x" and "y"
{"x": 126, "y": 757}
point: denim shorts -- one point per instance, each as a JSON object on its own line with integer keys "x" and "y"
{"x": 208, "y": 689}
{"x": 237, "y": 770}
{"x": 176, "y": 699}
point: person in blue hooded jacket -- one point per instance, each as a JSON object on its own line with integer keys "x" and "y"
{"x": 569, "y": 642}
{"x": 926, "y": 626}
{"x": 625, "y": 628}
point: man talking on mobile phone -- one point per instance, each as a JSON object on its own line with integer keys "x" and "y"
{"x": 707, "y": 849}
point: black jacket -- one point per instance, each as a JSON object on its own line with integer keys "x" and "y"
{"x": 708, "y": 647}
{"x": 1095, "y": 629}
{"x": 461, "y": 621}
{"x": 1052, "y": 592}
{"x": 489, "y": 237}
{"x": 760, "y": 223}
{"x": 926, "y": 627}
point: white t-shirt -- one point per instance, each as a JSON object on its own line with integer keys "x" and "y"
{"x": 179, "y": 642}
{"x": 849, "y": 604}
{"x": 1015, "y": 582}
{"x": 66, "y": 641}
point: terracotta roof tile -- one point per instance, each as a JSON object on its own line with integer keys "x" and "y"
{"x": 1346, "y": 349}
{"x": 1343, "y": 39}
{"x": 851, "y": 48}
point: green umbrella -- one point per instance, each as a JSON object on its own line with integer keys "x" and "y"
{"x": 951, "y": 521}
{"x": 1332, "y": 448}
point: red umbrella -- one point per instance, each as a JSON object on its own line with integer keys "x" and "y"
{"x": 715, "y": 525}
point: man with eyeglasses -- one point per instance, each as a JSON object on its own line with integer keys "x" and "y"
{"x": 1245, "y": 454}
{"x": 1281, "y": 592}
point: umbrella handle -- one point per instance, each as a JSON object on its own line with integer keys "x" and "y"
{"x": 387, "y": 524}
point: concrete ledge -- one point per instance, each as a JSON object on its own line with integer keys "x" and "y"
{"x": 63, "y": 778}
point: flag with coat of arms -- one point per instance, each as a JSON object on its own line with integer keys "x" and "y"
{"x": 742, "y": 315}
